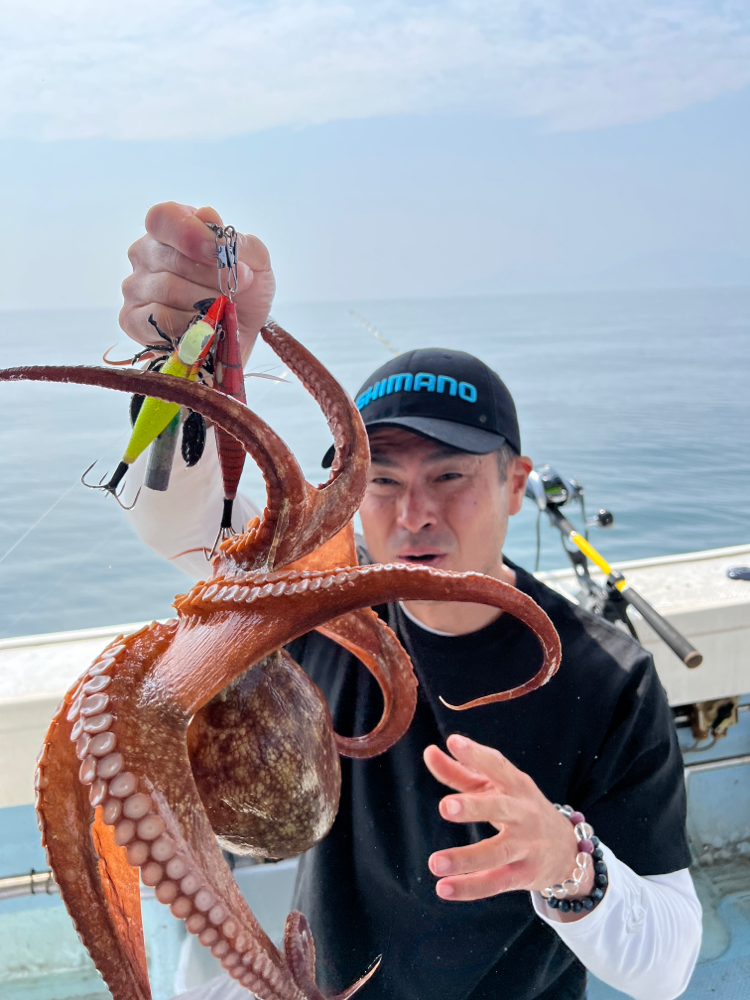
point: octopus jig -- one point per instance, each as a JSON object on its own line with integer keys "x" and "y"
{"x": 155, "y": 415}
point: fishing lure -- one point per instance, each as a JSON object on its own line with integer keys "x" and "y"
{"x": 229, "y": 376}
{"x": 154, "y": 415}
{"x": 193, "y": 438}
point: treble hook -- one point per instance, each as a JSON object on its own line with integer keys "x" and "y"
{"x": 221, "y": 536}
{"x": 111, "y": 486}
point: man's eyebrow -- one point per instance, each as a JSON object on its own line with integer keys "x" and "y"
{"x": 446, "y": 451}
{"x": 386, "y": 457}
{"x": 382, "y": 458}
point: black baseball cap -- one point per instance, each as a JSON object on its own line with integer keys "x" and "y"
{"x": 447, "y": 396}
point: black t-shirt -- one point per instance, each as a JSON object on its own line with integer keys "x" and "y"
{"x": 599, "y": 736}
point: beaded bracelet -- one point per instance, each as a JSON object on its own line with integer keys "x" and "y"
{"x": 589, "y": 852}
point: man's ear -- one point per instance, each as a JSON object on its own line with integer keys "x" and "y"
{"x": 518, "y": 473}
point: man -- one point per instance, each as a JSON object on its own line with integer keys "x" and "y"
{"x": 447, "y": 886}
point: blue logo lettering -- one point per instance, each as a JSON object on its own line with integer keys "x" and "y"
{"x": 364, "y": 398}
{"x": 398, "y": 382}
{"x": 427, "y": 381}
{"x": 424, "y": 380}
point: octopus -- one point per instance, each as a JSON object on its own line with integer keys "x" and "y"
{"x": 201, "y": 733}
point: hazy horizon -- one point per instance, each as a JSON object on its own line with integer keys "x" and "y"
{"x": 281, "y": 300}
{"x": 430, "y": 149}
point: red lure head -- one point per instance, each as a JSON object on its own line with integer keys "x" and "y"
{"x": 196, "y": 341}
{"x": 215, "y": 314}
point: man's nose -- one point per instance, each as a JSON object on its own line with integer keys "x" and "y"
{"x": 415, "y": 510}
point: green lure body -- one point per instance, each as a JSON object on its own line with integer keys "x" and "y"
{"x": 156, "y": 414}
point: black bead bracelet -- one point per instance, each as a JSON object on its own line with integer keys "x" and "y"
{"x": 589, "y": 852}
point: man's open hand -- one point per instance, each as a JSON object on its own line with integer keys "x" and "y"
{"x": 174, "y": 266}
{"x": 535, "y": 845}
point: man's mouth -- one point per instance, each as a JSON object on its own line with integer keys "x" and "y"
{"x": 424, "y": 558}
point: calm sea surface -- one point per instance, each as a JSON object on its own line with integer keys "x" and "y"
{"x": 645, "y": 397}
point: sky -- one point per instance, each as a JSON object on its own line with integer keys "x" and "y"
{"x": 381, "y": 149}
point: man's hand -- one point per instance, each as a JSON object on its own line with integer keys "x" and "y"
{"x": 536, "y": 845}
{"x": 174, "y": 266}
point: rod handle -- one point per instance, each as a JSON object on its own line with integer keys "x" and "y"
{"x": 674, "y": 639}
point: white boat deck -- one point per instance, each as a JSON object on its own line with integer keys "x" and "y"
{"x": 691, "y": 590}
{"x": 35, "y": 672}
{"x": 712, "y": 611}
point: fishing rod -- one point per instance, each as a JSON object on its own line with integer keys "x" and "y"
{"x": 550, "y": 491}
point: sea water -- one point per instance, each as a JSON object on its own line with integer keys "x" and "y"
{"x": 643, "y": 396}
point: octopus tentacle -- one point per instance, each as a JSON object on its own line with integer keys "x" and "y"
{"x": 281, "y": 606}
{"x": 133, "y": 764}
{"x": 299, "y": 949}
{"x": 300, "y": 954}
{"x": 376, "y": 646}
{"x": 99, "y": 889}
{"x": 298, "y": 518}
{"x": 285, "y": 484}
{"x": 346, "y": 484}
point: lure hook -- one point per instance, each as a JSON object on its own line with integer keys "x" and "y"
{"x": 221, "y": 536}
{"x": 111, "y": 486}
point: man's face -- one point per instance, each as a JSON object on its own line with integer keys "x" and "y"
{"x": 426, "y": 504}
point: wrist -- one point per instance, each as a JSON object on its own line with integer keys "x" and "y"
{"x": 586, "y": 886}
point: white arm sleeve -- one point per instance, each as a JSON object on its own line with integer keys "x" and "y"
{"x": 187, "y": 515}
{"x": 644, "y": 936}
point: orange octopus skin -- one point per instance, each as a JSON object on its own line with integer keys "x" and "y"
{"x": 116, "y": 792}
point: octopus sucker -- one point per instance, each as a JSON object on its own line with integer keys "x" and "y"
{"x": 202, "y": 730}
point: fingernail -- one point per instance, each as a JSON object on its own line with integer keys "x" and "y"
{"x": 440, "y": 866}
{"x": 453, "y": 807}
{"x": 244, "y": 273}
{"x": 460, "y": 742}
{"x": 444, "y": 890}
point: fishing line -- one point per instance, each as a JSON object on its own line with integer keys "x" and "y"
{"x": 376, "y": 333}
{"x": 259, "y": 395}
{"x": 39, "y": 520}
{"x": 57, "y": 583}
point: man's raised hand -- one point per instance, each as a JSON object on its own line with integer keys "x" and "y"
{"x": 535, "y": 845}
{"x": 174, "y": 266}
